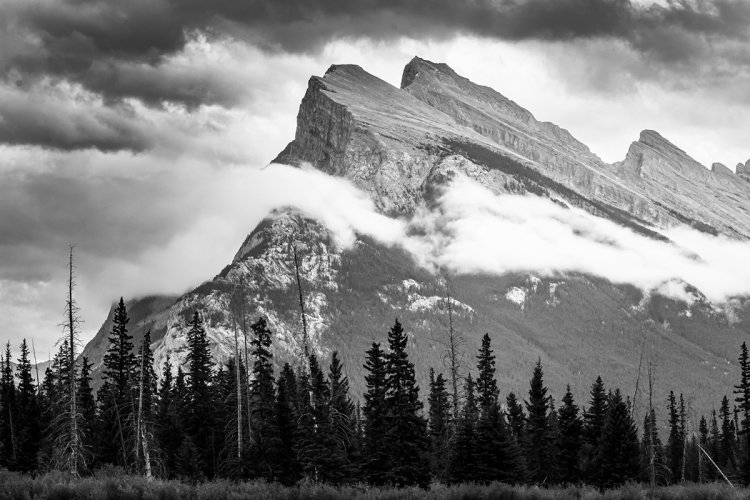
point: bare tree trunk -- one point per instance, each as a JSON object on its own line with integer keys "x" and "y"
{"x": 651, "y": 447}
{"x": 36, "y": 365}
{"x": 238, "y": 364}
{"x": 74, "y": 438}
{"x": 247, "y": 360}
{"x": 454, "y": 356}
{"x": 140, "y": 427}
{"x": 301, "y": 304}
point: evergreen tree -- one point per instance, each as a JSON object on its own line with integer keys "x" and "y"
{"x": 439, "y": 425}
{"x": 498, "y": 457}
{"x": 516, "y": 418}
{"x": 728, "y": 442}
{"x": 675, "y": 444}
{"x": 115, "y": 399}
{"x": 462, "y": 464}
{"x": 343, "y": 425}
{"x": 742, "y": 390}
{"x": 286, "y": 418}
{"x": 619, "y": 452}
{"x": 593, "y": 424}
{"x": 266, "y": 444}
{"x": 376, "y": 454}
{"x": 568, "y": 447}
{"x": 406, "y": 431}
{"x": 28, "y": 426}
{"x": 9, "y": 415}
{"x": 87, "y": 407}
{"x": 168, "y": 431}
{"x": 200, "y": 415}
{"x": 653, "y": 466}
{"x": 539, "y": 438}
{"x": 145, "y": 410}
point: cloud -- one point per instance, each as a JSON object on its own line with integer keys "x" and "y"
{"x": 126, "y": 49}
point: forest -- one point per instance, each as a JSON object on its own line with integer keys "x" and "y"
{"x": 240, "y": 421}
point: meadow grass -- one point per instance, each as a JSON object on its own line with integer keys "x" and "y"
{"x": 113, "y": 486}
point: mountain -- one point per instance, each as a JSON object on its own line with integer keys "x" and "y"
{"x": 403, "y": 146}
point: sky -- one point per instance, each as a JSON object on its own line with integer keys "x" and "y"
{"x": 138, "y": 130}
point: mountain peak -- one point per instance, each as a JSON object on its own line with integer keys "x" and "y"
{"x": 417, "y": 64}
{"x": 657, "y": 141}
{"x": 720, "y": 168}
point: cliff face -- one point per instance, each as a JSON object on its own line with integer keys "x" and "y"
{"x": 398, "y": 143}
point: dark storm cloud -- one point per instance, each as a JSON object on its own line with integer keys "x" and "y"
{"x": 82, "y": 39}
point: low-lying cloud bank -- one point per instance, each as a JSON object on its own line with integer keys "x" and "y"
{"x": 476, "y": 231}
{"x": 157, "y": 233}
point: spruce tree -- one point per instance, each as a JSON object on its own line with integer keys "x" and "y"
{"x": 497, "y": 454}
{"x": 462, "y": 464}
{"x": 168, "y": 432}
{"x": 115, "y": 397}
{"x": 568, "y": 446}
{"x": 343, "y": 424}
{"x": 375, "y": 452}
{"x": 619, "y": 452}
{"x": 287, "y": 415}
{"x": 742, "y": 390}
{"x": 653, "y": 464}
{"x": 728, "y": 441}
{"x": 200, "y": 416}
{"x": 675, "y": 444}
{"x": 28, "y": 432}
{"x": 87, "y": 407}
{"x": 516, "y": 418}
{"x": 266, "y": 443}
{"x": 439, "y": 424}
{"x": 593, "y": 424}
{"x": 406, "y": 429}
{"x": 539, "y": 438}
{"x": 9, "y": 415}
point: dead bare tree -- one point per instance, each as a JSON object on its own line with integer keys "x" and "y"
{"x": 305, "y": 347}
{"x": 72, "y": 456}
{"x": 243, "y": 319}
{"x": 140, "y": 427}
{"x": 453, "y": 354}
{"x": 652, "y": 445}
{"x": 238, "y": 365}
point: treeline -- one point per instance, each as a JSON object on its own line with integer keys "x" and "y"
{"x": 243, "y": 421}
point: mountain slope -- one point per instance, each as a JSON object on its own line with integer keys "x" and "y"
{"x": 402, "y": 146}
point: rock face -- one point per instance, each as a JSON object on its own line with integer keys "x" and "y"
{"x": 401, "y": 145}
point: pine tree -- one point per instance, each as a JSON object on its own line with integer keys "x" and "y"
{"x": 439, "y": 425}
{"x": 375, "y": 453}
{"x": 266, "y": 444}
{"x": 593, "y": 424}
{"x": 87, "y": 406}
{"x": 742, "y": 390}
{"x": 9, "y": 416}
{"x": 569, "y": 441}
{"x": 167, "y": 429}
{"x": 200, "y": 417}
{"x": 497, "y": 454}
{"x": 462, "y": 464}
{"x": 343, "y": 425}
{"x": 516, "y": 418}
{"x": 675, "y": 445}
{"x": 539, "y": 438}
{"x": 406, "y": 431}
{"x": 115, "y": 399}
{"x": 146, "y": 405}
{"x": 286, "y": 417}
{"x": 653, "y": 465}
{"x": 619, "y": 452}
{"x": 28, "y": 426}
{"x": 728, "y": 441}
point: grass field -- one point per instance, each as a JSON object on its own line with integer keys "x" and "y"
{"x": 124, "y": 487}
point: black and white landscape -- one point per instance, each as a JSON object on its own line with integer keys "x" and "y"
{"x": 181, "y": 156}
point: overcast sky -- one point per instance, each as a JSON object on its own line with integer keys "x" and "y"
{"x": 136, "y": 129}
